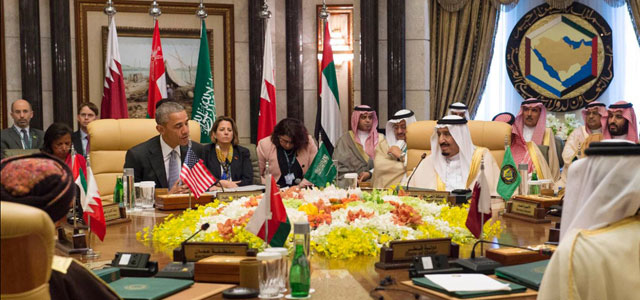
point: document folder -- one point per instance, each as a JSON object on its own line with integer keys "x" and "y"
{"x": 424, "y": 282}
{"x": 529, "y": 275}
{"x": 144, "y": 288}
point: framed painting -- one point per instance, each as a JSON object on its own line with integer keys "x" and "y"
{"x": 180, "y": 49}
{"x": 179, "y": 33}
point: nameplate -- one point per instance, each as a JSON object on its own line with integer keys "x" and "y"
{"x": 524, "y": 208}
{"x": 406, "y": 250}
{"x": 111, "y": 212}
{"x": 197, "y": 251}
{"x": 229, "y": 196}
{"x": 431, "y": 196}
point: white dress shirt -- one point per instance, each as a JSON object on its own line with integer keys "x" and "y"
{"x": 528, "y": 133}
{"x": 166, "y": 155}
{"x": 85, "y": 141}
{"x": 19, "y": 130}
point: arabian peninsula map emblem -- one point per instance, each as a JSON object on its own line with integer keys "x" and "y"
{"x": 563, "y": 57}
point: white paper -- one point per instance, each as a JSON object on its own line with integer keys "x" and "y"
{"x": 246, "y": 188}
{"x": 467, "y": 282}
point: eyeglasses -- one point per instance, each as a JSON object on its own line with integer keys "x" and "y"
{"x": 284, "y": 141}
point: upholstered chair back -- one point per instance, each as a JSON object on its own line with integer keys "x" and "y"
{"x": 110, "y": 140}
{"x": 488, "y": 134}
{"x": 27, "y": 251}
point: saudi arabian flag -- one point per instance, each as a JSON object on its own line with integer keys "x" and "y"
{"x": 329, "y": 129}
{"x": 322, "y": 170}
{"x": 204, "y": 105}
{"x": 509, "y": 177}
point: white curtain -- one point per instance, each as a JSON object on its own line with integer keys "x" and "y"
{"x": 499, "y": 94}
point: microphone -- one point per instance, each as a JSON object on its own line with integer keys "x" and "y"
{"x": 204, "y": 226}
{"x": 543, "y": 251}
{"x": 414, "y": 169}
{"x": 181, "y": 269}
{"x": 218, "y": 183}
{"x": 486, "y": 265}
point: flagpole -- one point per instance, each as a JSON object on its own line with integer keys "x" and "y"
{"x": 155, "y": 11}
{"x": 90, "y": 253}
{"x": 482, "y": 212}
{"x": 110, "y": 11}
{"x": 265, "y": 15}
{"x": 75, "y": 220}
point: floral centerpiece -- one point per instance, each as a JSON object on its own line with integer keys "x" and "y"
{"x": 562, "y": 128}
{"x": 345, "y": 223}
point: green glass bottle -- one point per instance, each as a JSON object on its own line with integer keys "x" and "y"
{"x": 534, "y": 189}
{"x": 118, "y": 197}
{"x": 299, "y": 274}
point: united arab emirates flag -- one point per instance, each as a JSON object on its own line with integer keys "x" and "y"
{"x": 328, "y": 120}
{"x": 509, "y": 178}
{"x": 204, "y": 105}
{"x": 89, "y": 197}
{"x": 271, "y": 210}
{"x": 322, "y": 169}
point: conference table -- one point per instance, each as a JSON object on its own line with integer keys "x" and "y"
{"x": 331, "y": 278}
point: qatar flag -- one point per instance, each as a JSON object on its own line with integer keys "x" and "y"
{"x": 267, "y": 116}
{"x": 114, "y": 101}
{"x": 157, "y": 79}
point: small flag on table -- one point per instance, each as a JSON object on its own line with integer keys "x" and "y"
{"x": 271, "y": 211}
{"x": 89, "y": 195}
{"x": 509, "y": 177}
{"x": 322, "y": 170}
{"x": 480, "y": 207}
{"x": 195, "y": 175}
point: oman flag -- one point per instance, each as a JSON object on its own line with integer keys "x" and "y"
{"x": 114, "y": 101}
{"x": 271, "y": 211}
{"x": 330, "y": 128}
{"x": 157, "y": 79}
{"x": 267, "y": 115}
{"x": 89, "y": 196}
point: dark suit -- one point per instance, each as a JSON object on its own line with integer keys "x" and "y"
{"x": 241, "y": 169}
{"x": 11, "y": 139}
{"x": 147, "y": 161}
{"x": 76, "y": 139}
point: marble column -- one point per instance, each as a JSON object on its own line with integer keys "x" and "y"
{"x": 30, "y": 58}
{"x": 256, "y": 49}
{"x": 295, "y": 80}
{"x": 396, "y": 55}
{"x": 369, "y": 53}
{"x": 61, "y": 62}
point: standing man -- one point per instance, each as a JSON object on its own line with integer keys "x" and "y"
{"x": 621, "y": 122}
{"x": 160, "y": 158}
{"x": 21, "y": 135}
{"x": 390, "y": 159}
{"x": 454, "y": 162}
{"x": 533, "y": 143}
{"x": 356, "y": 149}
{"x": 87, "y": 113}
{"x": 459, "y": 109}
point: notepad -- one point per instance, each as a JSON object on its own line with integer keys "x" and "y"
{"x": 467, "y": 283}
{"x": 143, "y": 288}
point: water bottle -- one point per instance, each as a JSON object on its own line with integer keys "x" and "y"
{"x": 299, "y": 274}
{"x": 534, "y": 189}
{"x": 118, "y": 197}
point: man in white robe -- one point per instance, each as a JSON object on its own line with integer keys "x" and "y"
{"x": 529, "y": 135}
{"x": 621, "y": 122}
{"x": 599, "y": 252}
{"x": 594, "y": 115}
{"x": 390, "y": 158}
{"x": 454, "y": 162}
{"x": 459, "y": 109}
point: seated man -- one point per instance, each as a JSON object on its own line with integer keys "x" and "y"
{"x": 454, "y": 162}
{"x": 52, "y": 190}
{"x": 593, "y": 115}
{"x": 459, "y": 109}
{"x": 160, "y": 158}
{"x": 598, "y": 255}
{"x": 390, "y": 159}
{"x": 530, "y": 139}
{"x": 21, "y": 135}
{"x": 355, "y": 149}
{"x": 621, "y": 122}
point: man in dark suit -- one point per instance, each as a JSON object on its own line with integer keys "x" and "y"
{"x": 87, "y": 113}
{"x": 21, "y": 135}
{"x": 160, "y": 158}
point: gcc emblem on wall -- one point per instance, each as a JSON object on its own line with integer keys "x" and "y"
{"x": 563, "y": 57}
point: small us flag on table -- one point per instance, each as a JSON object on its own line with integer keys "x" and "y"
{"x": 195, "y": 174}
